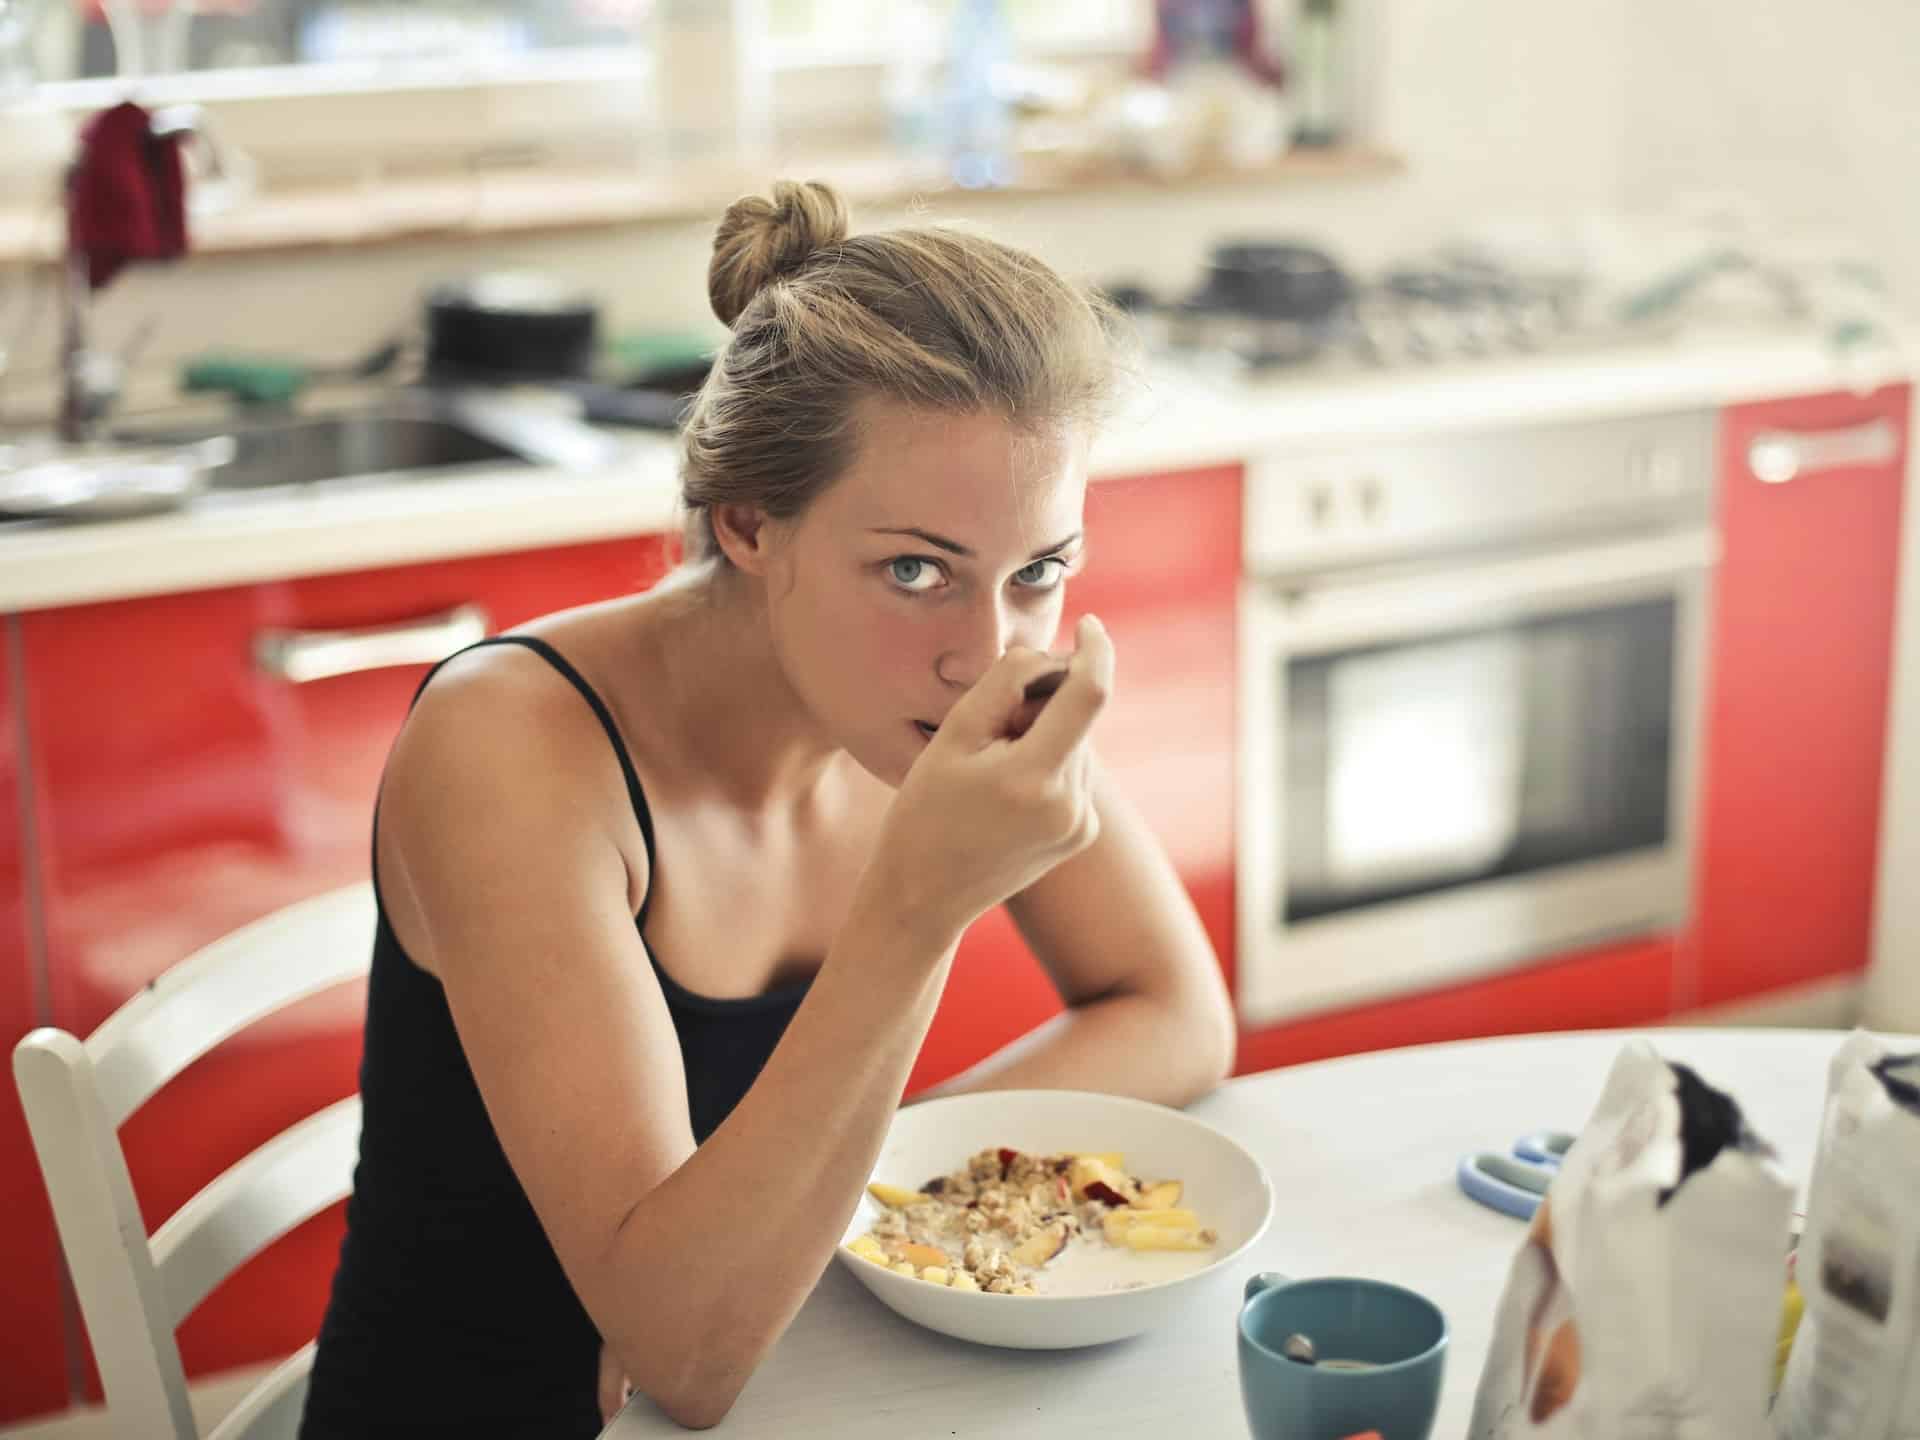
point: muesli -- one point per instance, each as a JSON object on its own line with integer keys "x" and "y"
{"x": 994, "y": 1223}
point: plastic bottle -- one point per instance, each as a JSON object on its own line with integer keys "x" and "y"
{"x": 913, "y": 87}
{"x": 977, "y": 122}
{"x": 1319, "y": 120}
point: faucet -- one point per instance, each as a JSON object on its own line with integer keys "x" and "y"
{"x": 90, "y": 379}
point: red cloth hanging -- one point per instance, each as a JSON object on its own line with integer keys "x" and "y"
{"x": 1237, "y": 22}
{"x": 126, "y": 194}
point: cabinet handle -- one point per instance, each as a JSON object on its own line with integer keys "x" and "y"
{"x": 300, "y": 656}
{"x": 1777, "y": 456}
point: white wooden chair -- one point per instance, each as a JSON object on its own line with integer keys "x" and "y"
{"x": 135, "y": 1290}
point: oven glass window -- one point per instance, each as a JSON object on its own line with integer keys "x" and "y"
{"x": 1419, "y": 767}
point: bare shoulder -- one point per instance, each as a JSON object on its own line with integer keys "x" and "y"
{"x": 501, "y": 762}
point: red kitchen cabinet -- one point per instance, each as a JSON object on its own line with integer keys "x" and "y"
{"x": 181, "y": 790}
{"x": 1629, "y": 984}
{"x": 1162, "y": 572}
{"x": 1810, "y": 497}
{"x": 33, "y": 1361}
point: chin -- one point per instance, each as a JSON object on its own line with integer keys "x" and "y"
{"x": 886, "y": 763}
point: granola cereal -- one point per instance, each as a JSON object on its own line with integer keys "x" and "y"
{"x": 995, "y": 1222}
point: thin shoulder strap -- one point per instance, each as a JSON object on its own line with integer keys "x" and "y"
{"x": 560, "y": 662}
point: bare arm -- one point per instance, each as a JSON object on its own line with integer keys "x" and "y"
{"x": 1147, "y": 1009}
{"x": 688, "y": 1262}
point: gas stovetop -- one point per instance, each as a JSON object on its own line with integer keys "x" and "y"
{"x": 1451, "y": 308}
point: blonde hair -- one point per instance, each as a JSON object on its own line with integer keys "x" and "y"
{"x": 930, "y": 317}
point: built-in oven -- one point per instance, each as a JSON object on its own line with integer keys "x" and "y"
{"x": 1470, "y": 704}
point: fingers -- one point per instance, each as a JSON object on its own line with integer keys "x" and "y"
{"x": 1069, "y": 715}
{"x": 985, "y": 713}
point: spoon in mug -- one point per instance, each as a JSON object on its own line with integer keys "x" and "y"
{"x": 1300, "y": 1349}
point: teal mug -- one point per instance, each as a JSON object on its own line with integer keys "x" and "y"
{"x": 1381, "y": 1352}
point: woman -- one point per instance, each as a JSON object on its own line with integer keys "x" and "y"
{"x": 670, "y": 885}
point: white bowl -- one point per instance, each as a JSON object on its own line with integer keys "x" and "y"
{"x": 1092, "y": 1292}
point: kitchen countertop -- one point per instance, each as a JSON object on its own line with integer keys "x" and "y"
{"x": 1184, "y": 415}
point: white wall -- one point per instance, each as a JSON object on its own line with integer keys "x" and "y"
{"x": 1808, "y": 108}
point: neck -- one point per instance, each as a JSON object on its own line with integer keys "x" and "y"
{"x": 741, "y": 722}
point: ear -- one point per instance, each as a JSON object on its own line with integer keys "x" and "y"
{"x": 745, "y": 535}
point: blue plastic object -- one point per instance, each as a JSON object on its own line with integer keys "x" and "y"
{"x": 1511, "y": 1186}
{"x": 1544, "y": 1147}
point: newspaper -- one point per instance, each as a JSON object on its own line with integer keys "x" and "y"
{"x": 1854, "y": 1373}
{"x": 1644, "y": 1303}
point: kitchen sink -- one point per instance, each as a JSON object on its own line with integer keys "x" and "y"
{"x": 419, "y": 432}
{"x": 401, "y": 437}
{"x": 337, "y": 447}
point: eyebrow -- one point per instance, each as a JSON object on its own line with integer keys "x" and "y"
{"x": 954, "y": 547}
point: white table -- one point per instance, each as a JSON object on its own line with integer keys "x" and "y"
{"x": 1362, "y": 1153}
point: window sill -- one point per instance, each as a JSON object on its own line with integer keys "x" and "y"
{"x": 482, "y": 203}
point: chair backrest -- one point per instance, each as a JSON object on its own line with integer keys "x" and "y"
{"x": 134, "y": 1290}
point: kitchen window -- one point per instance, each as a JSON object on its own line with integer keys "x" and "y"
{"x": 816, "y": 31}
{"x": 370, "y": 92}
{"x": 361, "y": 41}
{"x": 338, "y": 40}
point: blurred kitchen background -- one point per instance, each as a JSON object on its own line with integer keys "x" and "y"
{"x": 373, "y": 149}
{"x": 1506, "y": 542}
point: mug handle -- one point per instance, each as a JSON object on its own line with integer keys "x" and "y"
{"x": 1265, "y": 1280}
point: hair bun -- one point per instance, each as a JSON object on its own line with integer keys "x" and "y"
{"x": 760, "y": 240}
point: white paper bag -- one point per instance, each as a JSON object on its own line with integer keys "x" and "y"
{"x": 1855, "y": 1369}
{"x": 1645, "y": 1301}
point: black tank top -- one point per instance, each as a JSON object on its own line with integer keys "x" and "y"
{"x": 450, "y": 1313}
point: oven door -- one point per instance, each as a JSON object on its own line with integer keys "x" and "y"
{"x": 1465, "y": 769}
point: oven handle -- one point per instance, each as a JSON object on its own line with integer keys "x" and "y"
{"x": 1777, "y": 456}
{"x": 1346, "y": 614}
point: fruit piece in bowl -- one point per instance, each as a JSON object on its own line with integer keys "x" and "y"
{"x": 1041, "y": 1246}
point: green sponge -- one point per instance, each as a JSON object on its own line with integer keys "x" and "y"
{"x": 249, "y": 379}
{"x": 637, "y": 354}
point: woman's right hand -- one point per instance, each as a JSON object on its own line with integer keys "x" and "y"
{"x": 994, "y": 802}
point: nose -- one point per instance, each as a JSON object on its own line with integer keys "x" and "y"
{"x": 979, "y": 637}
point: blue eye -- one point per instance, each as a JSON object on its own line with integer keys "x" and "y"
{"x": 1042, "y": 574}
{"x": 910, "y": 571}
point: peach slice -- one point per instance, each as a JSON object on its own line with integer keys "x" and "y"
{"x": 1161, "y": 1195}
{"x": 867, "y": 1248}
{"x": 1041, "y": 1246}
{"x": 915, "y": 1253}
{"x": 1116, "y": 1223}
{"x": 896, "y": 1197}
{"x": 1091, "y": 1178}
{"x": 1165, "y": 1237}
{"x": 1112, "y": 1159}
